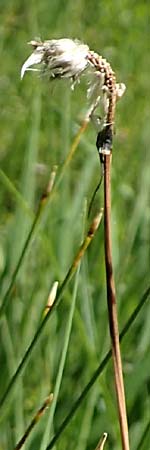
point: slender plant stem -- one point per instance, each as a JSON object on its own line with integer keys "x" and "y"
{"x": 104, "y": 145}
{"x": 102, "y": 441}
{"x": 44, "y": 200}
{"x": 98, "y": 372}
{"x": 112, "y": 307}
{"x": 75, "y": 143}
{"x": 34, "y": 421}
{"x": 69, "y": 275}
{"x": 73, "y": 149}
{"x": 48, "y": 426}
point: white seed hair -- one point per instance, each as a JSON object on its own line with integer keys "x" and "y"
{"x": 61, "y": 58}
{"x": 68, "y": 58}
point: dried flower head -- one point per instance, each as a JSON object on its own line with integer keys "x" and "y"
{"x": 67, "y": 58}
{"x": 60, "y": 58}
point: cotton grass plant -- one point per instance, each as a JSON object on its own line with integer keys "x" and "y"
{"x": 66, "y": 58}
{"x": 71, "y": 60}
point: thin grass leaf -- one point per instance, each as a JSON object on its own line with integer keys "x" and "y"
{"x": 44, "y": 199}
{"x": 60, "y": 371}
{"x": 70, "y": 273}
{"x": 34, "y": 421}
{"x": 98, "y": 371}
{"x": 56, "y": 390}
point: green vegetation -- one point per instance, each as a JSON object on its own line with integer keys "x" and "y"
{"x": 39, "y": 121}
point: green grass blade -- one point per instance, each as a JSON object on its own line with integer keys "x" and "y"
{"x": 61, "y": 365}
{"x": 60, "y": 291}
{"x": 98, "y": 372}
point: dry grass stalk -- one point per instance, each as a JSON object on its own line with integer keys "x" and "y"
{"x": 102, "y": 441}
{"x": 104, "y": 144}
{"x": 34, "y": 421}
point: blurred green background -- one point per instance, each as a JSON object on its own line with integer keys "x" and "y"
{"x": 38, "y": 124}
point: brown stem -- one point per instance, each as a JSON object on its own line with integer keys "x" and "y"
{"x": 104, "y": 144}
{"x": 112, "y": 307}
{"x": 34, "y": 421}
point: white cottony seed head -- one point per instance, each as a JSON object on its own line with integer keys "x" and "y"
{"x": 60, "y": 58}
{"x": 68, "y": 58}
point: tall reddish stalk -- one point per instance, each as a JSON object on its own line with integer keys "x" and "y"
{"x": 112, "y": 307}
{"x": 104, "y": 145}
